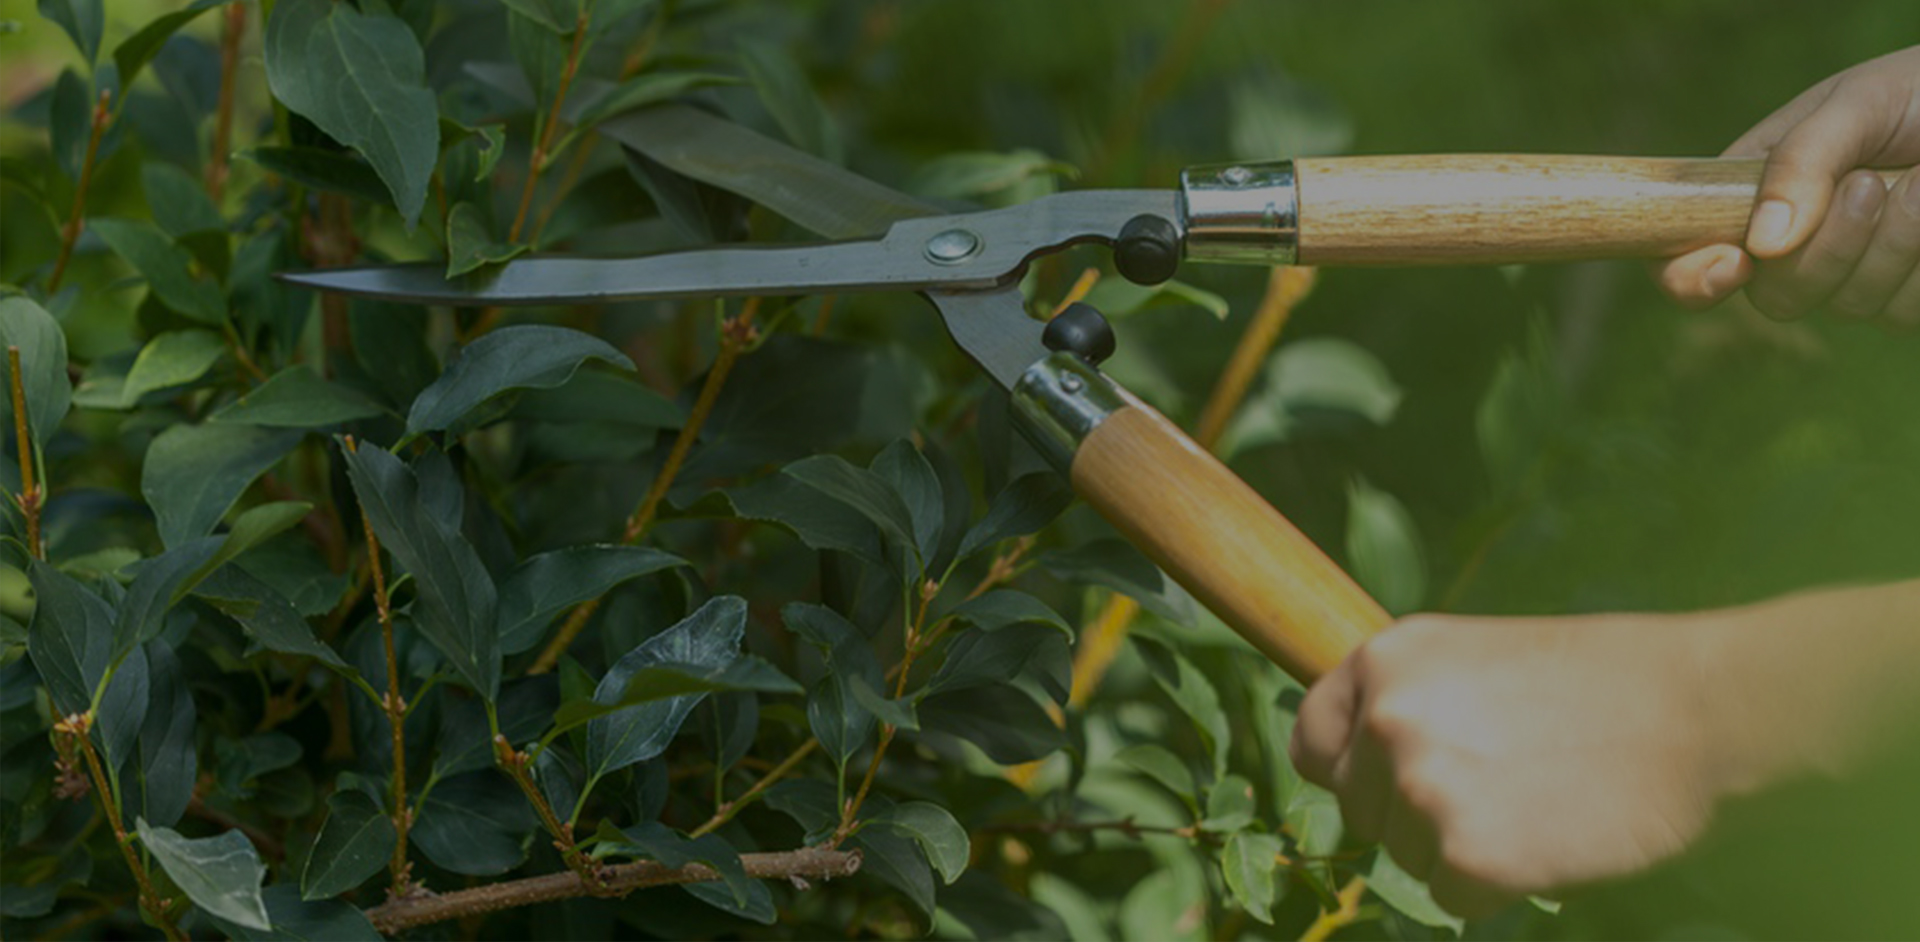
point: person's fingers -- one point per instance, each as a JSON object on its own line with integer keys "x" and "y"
{"x": 1704, "y": 277}
{"x": 1762, "y": 137}
{"x": 1889, "y": 258}
{"x": 1903, "y": 309}
{"x": 1363, "y": 781}
{"x": 1410, "y": 838}
{"x": 1802, "y": 170}
{"x": 1325, "y": 725}
{"x": 1789, "y": 287}
{"x": 1461, "y": 894}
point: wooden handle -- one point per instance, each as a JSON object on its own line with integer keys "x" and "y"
{"x": 1493, "y": 209}
{"x": 1220, "y": 540}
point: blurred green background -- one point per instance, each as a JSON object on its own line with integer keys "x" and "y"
{"x": 1565, "y": 440}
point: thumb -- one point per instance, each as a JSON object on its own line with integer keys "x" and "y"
{"x": 1802, "y": 171}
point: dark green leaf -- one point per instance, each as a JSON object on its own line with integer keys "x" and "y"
{"x": 31, "y": 900}
{"x": 1193, "y": 693}
{"x": 83, "y": 20}
{"x": 601, "y": 396}
{"x": 475, "y": 824}
{"x": 518, "y": 357}
{"x": 194, "y": 473}
{"x": 710, "y": 637}
{"x": 242, "y": 762}
{"x": 542, "y": 54}
{"x": 668, "y": 680}
{"x": 323, "y": 170}
{"x": 1026, "y": 504}
{"x": 1307, "y": 382}
{"x": 70, "y": 121}
{"x": 137, "y": 50}
{"x": 175, "y": 358}
{"x": 1312, "y": 816}
{"x": 897, "y": 860}
{"x": 465, "y": 742}
{"x": 1248, "y": 861}
{"x": 981, "y": 658}
{"x": 545, "y": 585}
{"x": 70, "y": 638}
{"x": 267, "y": 615}
{"x": 362, "y": 79}
{"x": 179, "y": 202}
{"x": 655, "y": 841}
{"x": 1156, "y": 763}
{"x": 470, "y": 243}
{"x": 788, "y": 95}
{"x": 160, "y": 583}
{"x": 838, "y": 720}
{"x": 896, "y": 713}
{"x": 1517, "y": 416}
{"x": 865, "y": 492}
{"x": 167, "y": 267}
{"x": 1408, "y": 896}
{"x": 297, "y": 397}
{"x": 1229, "y": 805}
{"x": 637, "y": 92}
{"x": 123, "y": 709}
{"x": 974, "y": 174}
{"x": 1385, "y": 548}
{"x": 999, "y": 608}
{"x": 43, "y": 366}
{"x": 1117, "y": 297}
{"x": 457, "y": 597}
{"x": 221, "y": 874}
{"x": 1002, "y": 720}
{"x": 940, "y": 837}
{"x": 1118, "y": 566}
{"x": 298, "y": 920}
{"x": 355, "y": 843}
{"x": 821, "y": 524}
{"x": 162, "y": 779}
{"x": 811, "y": 803}
{"x": 560, "y": 16}
{"x": 906, "y": 470}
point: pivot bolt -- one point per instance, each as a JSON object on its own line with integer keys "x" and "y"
{"x": 952, "y": 246}
{"x": 1148, "y": 250}
{"x": 1080, "y": 330}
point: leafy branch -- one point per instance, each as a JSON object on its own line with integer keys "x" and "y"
{"x": 396, "y": 710}
{"x": 76, "y": 218}
{"x": 30, "y": 495}
{"x": 73, "y": 735}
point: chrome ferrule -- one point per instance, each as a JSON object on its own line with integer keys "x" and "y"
{"x": 1246, "y": 213}
{"x": 1059, "y": 401}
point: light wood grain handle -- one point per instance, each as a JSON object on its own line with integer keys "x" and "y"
{"x": 1465, "y": 209}
{"x": 1210, "y": 531}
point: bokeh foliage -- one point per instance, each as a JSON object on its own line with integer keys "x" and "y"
{"x": 1547, "y": 440}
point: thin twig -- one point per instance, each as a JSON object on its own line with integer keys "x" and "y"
{"x": 223, "y": 121}
{"x": 538, "y": 161}
{"x": 76, "y": 218}
{"x": 76, "y": 728}
{"x": 592, "y": 876}
{"x": 29, "y": 489}
{"x": 799, "y": 866}
{"x": 726, "y": 811}
{"x": 735, "y": 337}
{"x": 396, "y": 708}
{"x": 1328, "y": 923}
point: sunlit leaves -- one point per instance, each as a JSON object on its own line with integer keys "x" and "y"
{"x": 1408, "y": 896}
{"x": 361, "y": 78}
{"x": 1385, "y": 549}
{"x": 221, "y": 874}
{"x": 1248, "y": 862}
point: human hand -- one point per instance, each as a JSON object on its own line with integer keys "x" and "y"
{"x": 1825, "y": 233}
{"x": 1500, "y": 757}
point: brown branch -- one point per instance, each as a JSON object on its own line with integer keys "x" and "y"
{"x": 76, "y": 218}
{"x": 223, "y": 121}
{"x": 799, "y": 866}
{"x": 396, "y": 708}
{"x": 538, "y": 161}
{"x": 735, "y": 337}
{"x": 76, "y": 729}
{"x": 1326, "y": 923}
{"x": 29, "y": 489}
{"x": 725, "y": 812}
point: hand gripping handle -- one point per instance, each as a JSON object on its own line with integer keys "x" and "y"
{"x": 1210, "y": 531}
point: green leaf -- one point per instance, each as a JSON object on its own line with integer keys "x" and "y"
{"x": 1156, "y": 763}
{"x": 267, "y": 615}
{"x": 175, "y": 358}
{"x": 1517, "y": 416}
{"x": 1193, "y": 693}
{"x": 194, "y": 473}
{"x": 160, "y": 583}
{"x": 899, "y": 861}
{"x": 221, "y": 874}
{"x": 1248, "y": 861}
{"x": 601, "y": 396}
{"x": 1028, "y": 503}
{"x": 83, "y": 21}
{"x": 470, "y": 241}
{"x": 1116, "y": 565}
{"x": 865, "y": 492}
{"x": 457, "y": 599}
{"x": 519, "y": 357}
{"x": 1165, "y": 907}
{"x": 167, "y": 267}
{"x": 1312, "y": 381}
{"x": 323, "y": 170}
{"x": 179, "y": 202}
{"x": 655, "y": 841}
{"x": 638, "y": 92}
{"x": 161, "y": 782}
{"x": 362, "y": 79}
{"x": 355, "y": 843}
{"x": 297, "y": 397}
{"x": 31, "y": 900}
{"x": 1229, "y": 805}
{"x": 545, "y": 585}
{"x": 121, "y": 714}
{"x": 981, "y": 658}
{"x": 821, "y": 524}
{"x": 1000, "y": 608}
{"x": 788, "y": 95}
{"x": 667, "y": 681}
{"x": 559, "y": 16}
{"x": 1004, "y": 721}
{"x": 940, "y": 837}
{"x": 475, "y": 824}
{"x": 907, "y": 472}
{"x": 298, "y": 920}
{"x": 542, "y": 55}
{"x": 43, "y": 366}
{"x": 70, "y": 638}
{"x": 1118, "y": 297}
{"x": 137, "y": 50}
{"x": 975, "y": 174}
{"x": 1385, "y": 548}
{"x": 811, "y": 803}
{"x": 710, "y": 638}
{"x": 1312, "y": 816}
{"x": 838, "y": 720}
{"x": 896, "y": 713}
{"x": 1408, "y": 896}
{"x": 70, "y": 121}
{"x": 1273, "y": 113}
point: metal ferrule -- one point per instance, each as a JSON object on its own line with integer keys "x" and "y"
{"x": 1060, "y": 401}
{"x": 1247, "y": 213}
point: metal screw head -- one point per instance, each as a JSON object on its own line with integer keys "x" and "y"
{"x": 1071, "y": 383}
{"x": 953, "y": 246}
{"x": 1237, "y": 176}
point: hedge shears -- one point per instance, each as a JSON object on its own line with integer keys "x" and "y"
{"x": 1200, "y": 522}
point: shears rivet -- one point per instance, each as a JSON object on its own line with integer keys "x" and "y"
{"x": 1070, "y": 383}
{"x": 1237, "y": 176}
{"x": 952, "y": 246}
